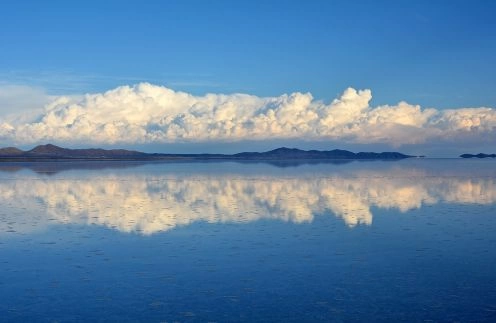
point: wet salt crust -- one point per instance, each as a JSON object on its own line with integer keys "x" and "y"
{"x": 409, "y": 240}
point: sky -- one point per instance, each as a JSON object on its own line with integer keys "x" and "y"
{"x": 228, "y": 76}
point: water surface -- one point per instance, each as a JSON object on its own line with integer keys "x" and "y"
{"x": 410, "y": 240}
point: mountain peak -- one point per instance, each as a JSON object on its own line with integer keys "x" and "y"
{"x": 284, "y": 150}
{"x": 47, "y": 149}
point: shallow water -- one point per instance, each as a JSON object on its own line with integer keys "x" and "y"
{"x": 411, "y": 240}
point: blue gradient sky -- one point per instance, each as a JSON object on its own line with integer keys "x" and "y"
{"x": 433, "y": 53}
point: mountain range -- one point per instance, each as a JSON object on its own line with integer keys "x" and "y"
{"x": 52, "y": 151}
{"x": 49, "y": 152}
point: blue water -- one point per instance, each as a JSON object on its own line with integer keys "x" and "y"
{"x": 413, "y": 240}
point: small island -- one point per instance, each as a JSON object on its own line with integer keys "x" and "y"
{"x": 51, "y": 152}
{"x": 481, "y": 155}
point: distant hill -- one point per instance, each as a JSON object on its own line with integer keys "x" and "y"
{"x": 49, "y": 151}
{"x": 293, "y": 153}
{"x": 481, "y": 155}
{"x": 52, "y": 151}
{"x": 10, "y": 151}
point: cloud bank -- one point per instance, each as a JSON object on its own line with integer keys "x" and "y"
{"x": 147, "y": 113}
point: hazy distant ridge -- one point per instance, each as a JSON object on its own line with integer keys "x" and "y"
{"x": 50, "y": 151}
{"x": 293, "y": 153}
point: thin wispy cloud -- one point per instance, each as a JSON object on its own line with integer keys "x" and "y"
{"x": 147, "y": 113}
{"x": 64, "y": 82}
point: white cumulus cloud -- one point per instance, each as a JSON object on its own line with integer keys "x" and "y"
{"x": 147, "y": 113}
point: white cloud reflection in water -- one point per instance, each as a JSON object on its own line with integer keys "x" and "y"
{"x": 148, "y": 203}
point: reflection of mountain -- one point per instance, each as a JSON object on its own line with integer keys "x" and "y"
{"x": 54, "y": 167}
{"x": 480, "y": 155}
{"x": 153, "y": 202}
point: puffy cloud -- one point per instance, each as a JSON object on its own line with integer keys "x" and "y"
{"x": 147, "y": 113}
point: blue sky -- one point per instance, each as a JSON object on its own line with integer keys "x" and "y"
{"x": 438, "y": 54}
{"x": 434, "y": 53}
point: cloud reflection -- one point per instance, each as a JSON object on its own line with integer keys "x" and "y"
{"x": 151, "y": 203}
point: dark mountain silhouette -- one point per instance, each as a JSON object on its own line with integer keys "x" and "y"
{"x": 293, "y": 153}
{"x": 481, "y": 155}
{"x": 55, "y": 151}
{"x": 10, "y": 151}
{"x": 49, "y": 151}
